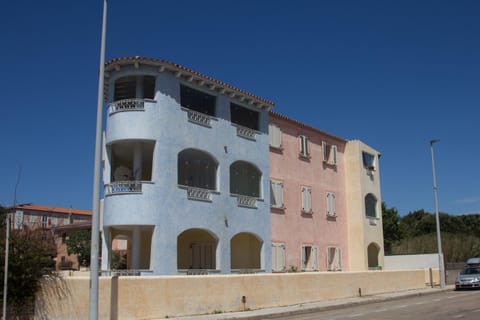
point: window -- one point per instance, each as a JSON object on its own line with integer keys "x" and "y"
{"x": 44, "y": 221}
{"x": 306, "y": 200}
{"x": 197, "y": 100}
{"x": 370, "y": 206}
{"x": 276, "y": 194}
{"x": 304, "y": 148}
{"x": 331, "y": 204}
{"x": 126, "y": 88}
{"x": 329, "y": 153}
{"x": 368, "y": 161}
{"x": 243, "y": 116}
{"x": 334, "y": 259}
{"x": 275, "y": 136}
{"x": 278, "y": 257}
{"x": 245, "y": 179}
{"x": 197, "y": 169}
{"x": 309, "y": 258}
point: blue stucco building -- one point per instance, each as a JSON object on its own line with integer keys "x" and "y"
{"x": 186, "y": 171}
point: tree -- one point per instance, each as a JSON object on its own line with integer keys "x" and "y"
{"x": 31, "y": 255}
{"x": 391, "y": 227}
{"x": 78, "y": 242}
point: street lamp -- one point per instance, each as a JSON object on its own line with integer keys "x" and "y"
{"x": 437, "y": 219}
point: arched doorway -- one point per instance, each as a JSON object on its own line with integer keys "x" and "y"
{"x": 245, "y": 251}
{"x": 196, "y": 249}
{"x": 373, "y": 251}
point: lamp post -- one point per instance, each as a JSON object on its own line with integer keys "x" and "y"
{"x": 5, "y": 274}
{"x": 437, "y": 219}
{"x": 94, "y": 269}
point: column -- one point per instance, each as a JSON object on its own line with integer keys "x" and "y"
{"x": 139, "y": 88}
{"x": 137, "y": 161}
{"x": 136, "y": 246}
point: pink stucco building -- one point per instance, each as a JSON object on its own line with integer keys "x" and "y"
{"x": 325, "y": 200}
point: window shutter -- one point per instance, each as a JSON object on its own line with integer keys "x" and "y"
{"x": 334, "y": 155}
{"x": 275, "y": 135}
{"x": 306, "y": 200}
{"x": 325, "y": 153}
{"x": 276, "y": 194}
{"x": 315, "y": 258}
{"x": 330, "y": 204}
{"x": 304, "y": 262}
{"x": 338, "y": 254}
{"x": 304, "y": 148}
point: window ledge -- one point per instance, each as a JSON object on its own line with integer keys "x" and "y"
{"x": 304, "y": 157}
{"x": 276, "y": 149}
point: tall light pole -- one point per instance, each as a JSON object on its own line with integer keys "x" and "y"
{"x": 437, "y": 219}
{"x": 94, "y": 268}
{"x": 5, "y": 274}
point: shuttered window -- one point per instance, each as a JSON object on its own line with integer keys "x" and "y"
{"x": 309, "y": 258}
{"x": 306, "y": 200}
{"x": 275, "y": 136}
{"x": 334, "y": 259}
{"x": 278, "y": 257}
{"x": 304, "y": 148}
{"x": 331, "y": 204}
{"x": 329, "y": 153}
{"x": 276, "y": 194}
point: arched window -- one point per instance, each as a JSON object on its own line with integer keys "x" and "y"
{"x": 245, "y": 179}
{"x": 197, "y": 169}
{"x": 245, "y": 251}
{"x": 373, "y": 250}
{"x": 370, "y": 206}
{"x": 196, "y": 249}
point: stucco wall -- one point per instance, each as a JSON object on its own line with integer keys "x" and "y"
{"x": 161, "y": 296}
{"x": 289, "y": 226}
{"x": 412, "y": 261}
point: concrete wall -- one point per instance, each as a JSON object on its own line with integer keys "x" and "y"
{"x": 413, "y": 261}
{"x": 161, "y": 296}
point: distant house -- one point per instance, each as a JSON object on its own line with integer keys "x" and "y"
{"x": 56, "y": 222}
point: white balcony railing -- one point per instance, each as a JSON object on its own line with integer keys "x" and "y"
{"x": 199, "y": 194}
{"x": 199, "y": 118}
{"x": 123, "y": 187}
{"x": 246, "y": 201}
{"x": 245, "y": 132}
{"x": 126, "y": 105}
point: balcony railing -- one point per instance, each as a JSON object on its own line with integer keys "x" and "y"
{"x": 126, "y": 105}
{"x": 245, "y": 132}
{"x": 246, "y": 201}
{"x": 123, "y": 187}
{"x": 199, "y": 194}
{"x": 199, "y": 118}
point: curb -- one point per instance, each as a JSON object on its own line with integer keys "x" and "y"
{"x": 299, "y": 309}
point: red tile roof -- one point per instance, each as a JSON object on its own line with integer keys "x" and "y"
{"x": 110, "y": 66}
{"x": 35, "y": 207}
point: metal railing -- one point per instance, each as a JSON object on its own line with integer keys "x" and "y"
{"x": 199, "y": 118}
{"x": 246, "y": 201}
{"x": 245, "y": 132}
{"x": 199, "y": 194}
{"x": 126, "y": 105}
{"x": 120, "y": 187}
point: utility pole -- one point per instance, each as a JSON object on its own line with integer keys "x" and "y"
{"x": 437, "y": 219}
{"x": 94, "y": 268}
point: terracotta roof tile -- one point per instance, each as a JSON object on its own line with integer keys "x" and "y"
{"x": 110, "y": 65}
{"x": 35, "y": 207}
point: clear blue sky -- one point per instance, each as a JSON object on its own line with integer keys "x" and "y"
{"x": 393, "y": 74}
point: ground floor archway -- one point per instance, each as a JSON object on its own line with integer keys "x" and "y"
{"x": 245, "y": 251}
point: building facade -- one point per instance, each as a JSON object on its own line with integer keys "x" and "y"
{"x": 56, "y": 223}
{"x": 186, "y": 171}
{"x": 202, "y": 177}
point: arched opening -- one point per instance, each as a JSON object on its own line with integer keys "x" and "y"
{"x": 245, "y": 179}
{"x": 131, "y": 247}
{"x": 196, "y": 249}
{"x": 197, "y": 169}
{"x": 370, "y": 206}
{"x": 373, "y": 251}
{"x": 245, "y": 251}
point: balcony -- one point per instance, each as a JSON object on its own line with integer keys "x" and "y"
{"x": 246, "y": 201}
{"x": 245, "y": 132}
{"x": 198, "y": 117}
{"x": 123, "y": 187}
{"x": 126, "y": 105}
{"x": 199, "y": 194}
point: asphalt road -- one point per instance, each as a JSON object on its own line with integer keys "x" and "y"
{"x": 445, "y": 305}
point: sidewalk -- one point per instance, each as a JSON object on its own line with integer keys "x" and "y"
{"x": 315, "y": 306}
